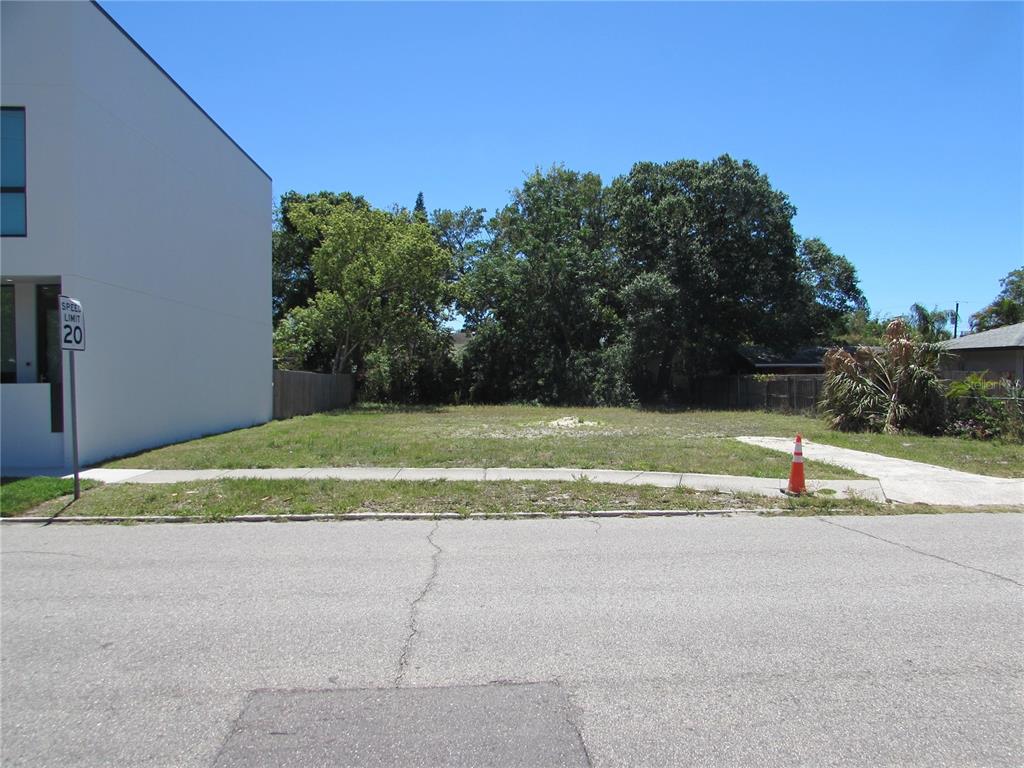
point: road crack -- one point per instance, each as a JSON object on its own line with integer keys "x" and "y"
{"x": 571, "y": 714}
{"x": 921, "y": 552}
{"x": 413, "y": 623}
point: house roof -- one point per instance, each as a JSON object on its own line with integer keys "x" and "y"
{"x": 1009, "y": 336}
{"x": 763, "y": 357}
{"x": 759, "y": 357}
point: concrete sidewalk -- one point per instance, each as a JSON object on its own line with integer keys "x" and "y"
{"x": 909, "y": 481}
{"x": 762, "y": 486}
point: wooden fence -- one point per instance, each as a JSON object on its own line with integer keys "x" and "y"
{"x": 793, "y": 392}
{"x": 297, "y": 393}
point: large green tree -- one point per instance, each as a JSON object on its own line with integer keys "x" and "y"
{"x": 293, "y": 280}
{"x": 379, "y": 277}
{"x": 1007, "y": 308}
{"x": 711, "y": 261}
{"x": 541, "y": 299}
{"x": 461, "y": 234}
{"x": 833, "y": 282}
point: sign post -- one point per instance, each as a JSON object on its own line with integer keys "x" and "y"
{"x": 72, "y": 338}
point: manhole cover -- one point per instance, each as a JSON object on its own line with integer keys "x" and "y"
{"x": 488, "y": 725}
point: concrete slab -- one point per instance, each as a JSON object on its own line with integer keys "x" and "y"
{"x": 440, "y": 473}
{"x": 731, "y": 484}
{"x": 111, "y": 476}
{"x": 353, "y": 473}
{"x": 296, "y": 473}
{"x": 175, "y": 476}
{"x": 617, "y": 476}
{"x": 660, "y": 479}
{"x": 534, "y": 473}
{"x": 910, "y": 482}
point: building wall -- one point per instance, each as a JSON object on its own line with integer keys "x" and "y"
{"x": 151, "y": 217}
{"x": 997, "y": 362}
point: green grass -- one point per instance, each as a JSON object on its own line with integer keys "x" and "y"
{"x": 23, "y": 493}
{"x": 218, "y": 500}
{"x": 496, "y": 436}
{"x": 613, "y": 438}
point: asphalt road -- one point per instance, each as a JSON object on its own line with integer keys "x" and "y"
{"x": 713, "y": 641}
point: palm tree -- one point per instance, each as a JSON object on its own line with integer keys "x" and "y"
{"x": 930, "y": 325}
{"x": 887, "y": 389}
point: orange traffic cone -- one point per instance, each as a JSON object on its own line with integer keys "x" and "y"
{"x": 797, "y": 485}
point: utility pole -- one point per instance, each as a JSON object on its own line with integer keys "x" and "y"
{"x": 956, "y": 318}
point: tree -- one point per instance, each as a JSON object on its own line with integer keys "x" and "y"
{"x": 860, "y": 329}
{"x": 293, "y": 281}
{"x": 541, "y": 299}
{"x": 891, "y": 389}
{"x": 722, "y": 238}
{"x": 419, "y": 211}
{"x": 930, "y": 325}
{"x": 460, "y": 234}
{"x": 379, "y": 278}
{"x": 1007, "y": 308}
{"x": 833, "y": 282}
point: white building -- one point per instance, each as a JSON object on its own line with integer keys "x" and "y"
{"x": 119, "y": 190}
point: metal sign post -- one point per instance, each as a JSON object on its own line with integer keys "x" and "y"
{"x": 74, "y": 426}
{"x": 72, "y": 338}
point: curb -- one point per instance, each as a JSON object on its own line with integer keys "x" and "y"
{"x": 363, "y": 516}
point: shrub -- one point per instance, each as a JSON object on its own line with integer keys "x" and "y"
{"x": 972, "y": 412}
{"x": 975, "y": 413}
{"x": 1014, "y": 409}
{"x": 888, "y": 389}
{"x": 418, "y": 370}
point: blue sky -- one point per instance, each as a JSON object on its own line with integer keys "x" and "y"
{"x": 895, "y": 129}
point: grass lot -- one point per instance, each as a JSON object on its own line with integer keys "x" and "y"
{"x": 494, "y": 436}
{"x": 219, "y": 499}
{"x": 526, "y": 436}
{"x": 18, "y": 494}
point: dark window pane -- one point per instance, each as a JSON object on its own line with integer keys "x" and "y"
{"x": 12, "y": 148}
{"x": 48, "y": 352}
{"x": 12, "y": 213}
{"x": 8, "y": 347}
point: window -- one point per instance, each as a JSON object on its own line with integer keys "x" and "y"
{"x": 48, "y": 352}
{"x": 13, "y": 218}
{"x": 8, "y": 349}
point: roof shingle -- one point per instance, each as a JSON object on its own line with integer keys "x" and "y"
{"x": 997, "y": 338}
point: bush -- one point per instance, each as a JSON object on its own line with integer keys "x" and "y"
{"x": 1014, "y": 409}
{"x": 972, "y": 412}
{"x": 890, "y": 389}
{"x": 419, "y": 370}
{"x": 976, "y": 414}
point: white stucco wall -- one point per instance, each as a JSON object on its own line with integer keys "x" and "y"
{"x": 154, "y": 219}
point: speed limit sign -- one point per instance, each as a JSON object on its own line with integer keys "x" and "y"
{"x": 72, "y": 324}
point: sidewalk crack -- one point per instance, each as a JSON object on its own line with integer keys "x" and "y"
{"x": 921, "y": 552}
{"x": 413, "y": 623}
